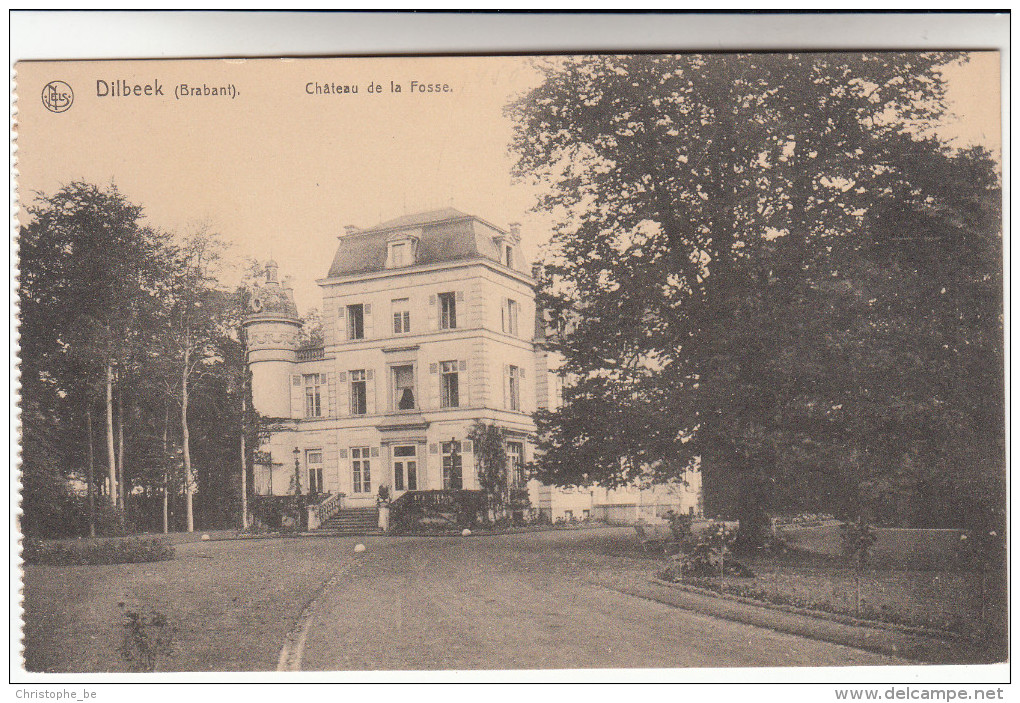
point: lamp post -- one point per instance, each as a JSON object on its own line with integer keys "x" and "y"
{"x": 297, "y": 471}
{"x": 454, "y": 456}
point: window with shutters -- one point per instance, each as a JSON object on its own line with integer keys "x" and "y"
{"x": 453, "y": 479}
{"x": 515, "y": 464}
{"x": 359, "y": 392}
{"x": 510, "y": 316}
{"x": 401, "y": 316}
{"x": 403, "y": 387}
{"x": 514, "y": 387}
{"x": 448, "y": 311}
{"x": 449, "y": 396}
{"x": 361, "y": 470}
{"x": 313, "y": 460}
{"x": 313, "y": 394}
{"x": 356, "y": 321}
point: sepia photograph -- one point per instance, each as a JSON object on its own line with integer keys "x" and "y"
{"x": 604, "y": 360}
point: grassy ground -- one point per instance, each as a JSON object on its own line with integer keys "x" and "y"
{"x": 231, "y": 602}
{"x": 942, "y": 598}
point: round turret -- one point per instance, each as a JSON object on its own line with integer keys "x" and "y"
{"x": 271, "y": 329}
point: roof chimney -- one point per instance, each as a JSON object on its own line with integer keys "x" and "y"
{"x": 351, "y": 229}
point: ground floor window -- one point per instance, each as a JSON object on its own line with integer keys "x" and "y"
{"x": 405, "y": 468}
{"x": 361, "y": 470}
{"x": 453, "y": 479}
{"x": 313, "y": 460}
{"x": 515, "y": 464}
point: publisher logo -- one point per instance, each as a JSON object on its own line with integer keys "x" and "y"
{"x": 57, "y": 96}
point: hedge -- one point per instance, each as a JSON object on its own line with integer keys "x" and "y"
{"x": 119, "y": 550}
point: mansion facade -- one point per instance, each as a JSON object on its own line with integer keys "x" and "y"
{"x": 429, "y": 325}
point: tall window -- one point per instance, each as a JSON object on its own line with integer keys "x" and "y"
{"x": 359, "y": 392}
{"x": 361, "y": 470}
{"x": 313, "y": 460}
{"x": 450, "y": 385}
{"x": 356, "y": 321}
{"x": 452, "y": 472}
{"x": 510, "y": 316}
{"x": 405, "y": 468}
{"x": 313, "y": 394}
{"x": 515, "y": 464}
{"x": 509, "y": 256}
{"x": 448, "y": 311}
{"x": 514, "y": 387}
{"x": 403, "y": 387}
{"x": 401, "y": 316}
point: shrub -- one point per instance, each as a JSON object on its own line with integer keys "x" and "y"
{"x": 282, "y": 513}
{"x": 126, "y": 550}
{"x": 681, "y": 525}
{"x": 858, "y": 540}
{"x": 704, "y": 554}
{"x": 147, "y": 638}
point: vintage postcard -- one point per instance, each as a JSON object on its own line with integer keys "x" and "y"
{"x": 602, "y": 361}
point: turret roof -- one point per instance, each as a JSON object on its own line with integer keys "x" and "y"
{"x": 272, "y": 301}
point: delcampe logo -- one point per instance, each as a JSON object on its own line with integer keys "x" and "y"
{"x": 57, "y": 96}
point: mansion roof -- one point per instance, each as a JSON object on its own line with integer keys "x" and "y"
{"x": 442, "y": 236}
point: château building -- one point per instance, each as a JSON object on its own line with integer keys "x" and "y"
{"x": 429, "y": 325}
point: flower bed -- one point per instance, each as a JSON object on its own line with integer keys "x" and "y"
{"x": 945, "y": 601}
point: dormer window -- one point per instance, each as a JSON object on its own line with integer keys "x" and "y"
{"x": 506, "y": 246}
{"x": 401, "y": 251}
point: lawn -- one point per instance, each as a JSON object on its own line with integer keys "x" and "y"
{"x": 927, "y": 593}
{"x": 942, "y": 599}
{"x": 231, "y": 604}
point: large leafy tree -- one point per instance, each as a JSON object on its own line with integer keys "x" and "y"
{"x": 87, "y": 268}
{"x": 703, "y": 204}
{"x": 124, "y": 332}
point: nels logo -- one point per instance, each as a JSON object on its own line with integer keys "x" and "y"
{"x": 57, "y": 96}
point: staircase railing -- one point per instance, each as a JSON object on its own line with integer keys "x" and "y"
{"x": 456, "y": 506}
{"x": 329, "y": 507}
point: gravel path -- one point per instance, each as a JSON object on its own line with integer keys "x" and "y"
{"x": 528, "y": 601}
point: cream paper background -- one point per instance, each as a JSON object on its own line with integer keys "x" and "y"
{"x": 279, "y": 172}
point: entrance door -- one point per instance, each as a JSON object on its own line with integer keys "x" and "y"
{"x": 313, "y": 459}
{"x": 405, "y": 468}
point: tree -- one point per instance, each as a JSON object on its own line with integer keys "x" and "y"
{"x": 123, "y": 326}
{"x": 86, "y": 262}
{"x": 310, "y": 334}
{"x": 489, "y": 444}
{"x": 703, "y": 204}
{"x": 197, "y": 304}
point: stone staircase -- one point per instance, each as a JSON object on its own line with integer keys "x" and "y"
{"x": 354, "y": 521}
